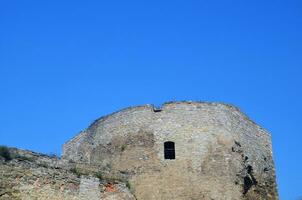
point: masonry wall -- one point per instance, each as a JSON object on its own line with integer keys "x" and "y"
{"x": 220, "y": 153}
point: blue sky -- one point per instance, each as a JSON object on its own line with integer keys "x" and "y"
{"x": 65, "y": 63}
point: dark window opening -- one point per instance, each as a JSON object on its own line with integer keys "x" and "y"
{"x": 169, "y": 150}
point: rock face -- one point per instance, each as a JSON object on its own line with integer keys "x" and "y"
{"x": 31, "y": 176}
{"x": 184, "y": 150}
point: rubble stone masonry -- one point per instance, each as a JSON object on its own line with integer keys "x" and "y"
{"x": 220, "y": 154}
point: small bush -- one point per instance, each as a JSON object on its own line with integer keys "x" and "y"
{"x": 43, "y": 164}
{"x": 99, "y": 175}
{"x": 123, "y": 147}
{"x": 5, "y": 153}
{"x": 78, "y": 172}
{"x": 128, "y": 185}
{"x": 75, "y": 171}
{"x": 24, "y": 158}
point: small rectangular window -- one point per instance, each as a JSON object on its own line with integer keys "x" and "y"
{"x": 169, "y": 150}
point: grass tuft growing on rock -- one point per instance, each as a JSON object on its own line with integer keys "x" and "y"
{"x": 128, "y": 185}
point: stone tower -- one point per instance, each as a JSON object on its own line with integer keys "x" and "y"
{"x": 183, "y": 150}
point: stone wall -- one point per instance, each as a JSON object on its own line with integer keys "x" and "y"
{"x": 220, "y": 153}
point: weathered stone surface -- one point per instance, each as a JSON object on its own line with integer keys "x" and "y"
{"x": 89, "y": 188}
{"x": 35, "y": 176}
{"x": 220, "y": 153}
{"x": 32, "y": 176}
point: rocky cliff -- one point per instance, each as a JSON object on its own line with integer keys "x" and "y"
{"x": 26, "y": 175}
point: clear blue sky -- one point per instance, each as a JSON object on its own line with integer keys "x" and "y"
{"x": 65, "y": 63}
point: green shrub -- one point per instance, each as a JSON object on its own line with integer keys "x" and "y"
{"x": 43, "y": 164}
{"x": 99, "y": 175}
{"x": 123, "y": 147}
{"x": 5, "y": 153}
{"x": 78, "y": 172}
{"x": 128, "y": 185}
{"x": 24, "y": 158}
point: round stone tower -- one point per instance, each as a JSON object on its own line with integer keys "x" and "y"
{"x": 183, "y": 150}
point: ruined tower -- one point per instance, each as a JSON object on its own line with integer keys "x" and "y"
{"x": 183, "y": 150}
